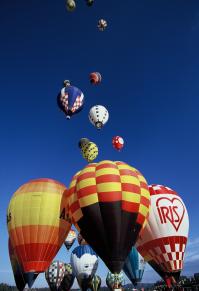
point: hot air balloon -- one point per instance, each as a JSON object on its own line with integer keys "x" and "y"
{"x": 98, "y": 116}
{"x": 70, "y": 100}
{"x": 114, "y": 281}
{"x": 102, "y": 24}
{"x": 83, "y": 141}
{"x": 36, "y": 228}
{"x": 95, "y": 78}
{"x": 89, "y": 151}
{"x": 70, "y": 5}
{"x": 84, "y": 263}
{"x": 163, "y": 241}
{"x": 134, "y": 266}
{"x": 95, "y": 283}
{"x": 109, "y": 202}
{"x": 89, "y": 2}
{"x": 81, "y": 240}
{"x": 68, "y": 279}
{"x": 70, "y": 239}
{"x": 55, "y": 274}
{"x": 17, "y": 269}
{"x": 118, "y": 142}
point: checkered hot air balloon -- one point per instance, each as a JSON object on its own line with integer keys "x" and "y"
{"x": 163, "y": 241}
{"x": 70, "y": 100}
{"x": 36, "y": 228}
{"x": 109, "y": 203}
{"x": 134, "y": 266}
{"x": 71, "y": 237}
{"x": 95, "y": 78}
{"x": 55, "y": 274}
{"x": 68, "y": 279}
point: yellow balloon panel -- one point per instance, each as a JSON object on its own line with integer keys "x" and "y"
{"x": 38, "y": 222}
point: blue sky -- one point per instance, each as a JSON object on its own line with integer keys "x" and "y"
{"x": 149, "y": 61}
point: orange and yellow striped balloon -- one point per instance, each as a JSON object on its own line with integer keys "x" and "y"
{"x": 37, "y": 223}
{"x": 109, "y": 202}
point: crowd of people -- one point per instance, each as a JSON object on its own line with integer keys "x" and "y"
{"x": 184, "y": 284}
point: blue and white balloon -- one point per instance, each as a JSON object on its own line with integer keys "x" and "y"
{"x": 84, "y": 262}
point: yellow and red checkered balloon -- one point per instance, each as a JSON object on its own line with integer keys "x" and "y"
{"x": 109, "y": 203}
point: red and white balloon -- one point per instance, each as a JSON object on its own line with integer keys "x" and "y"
{"x": 163, "y": 241}
{"x": 118, "y": 142}
{"x": 95, "y": 78}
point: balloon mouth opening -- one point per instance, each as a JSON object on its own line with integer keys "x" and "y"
{"x": 68, "y": 117}
{"x": 98, "y": 125}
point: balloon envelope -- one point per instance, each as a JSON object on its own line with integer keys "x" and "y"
{"x": 55, "y": 274}
{"x": 109, "y": 201}
{"x": 95, "y": 283}
{"x": 68, "y": 279}
{"x": 89, "y": 151}
{"x": 163, "y": 241}
{"x": 98, "y": 116}
{"x": 71, "y": 237}
{"x": 114, "y": 281}
{"x": 118, "y": 142}
{"x": 84, "y": 262}
{"x": 134, "y": 266}
{"x": 35, "y": 226}
{"x": 70, "y": 100}
{"x": 95, "y": 78}
{"x": 16, "y": 268}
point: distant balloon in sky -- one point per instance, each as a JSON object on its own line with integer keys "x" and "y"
{"x": 109, "y": 202}
{"x": 89, "y": 2}
{"x": 95, "y": 78}
{"x": 36, "y": 227}
{"x": 70, "y": 100}
{"x": 83, "y": 141}
{"x": 163, "y": 241}
{"x": 134, "y": 266}
{"x": 70, "y": 5}
{"x": 98, "y": 116}
{"x": 89, "y": 151}
{"x": 71, "y": 237}
{"x": 118, "y": 142}
{"x": 102, "y": 24}
{"x": 55, "y": 274}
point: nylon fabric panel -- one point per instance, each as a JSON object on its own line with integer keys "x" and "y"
{"x": 36, "y": 228}
{"x": 115, "y": 206}
{"x": 163, "y": 241}
{"x": 17, "y": 270}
